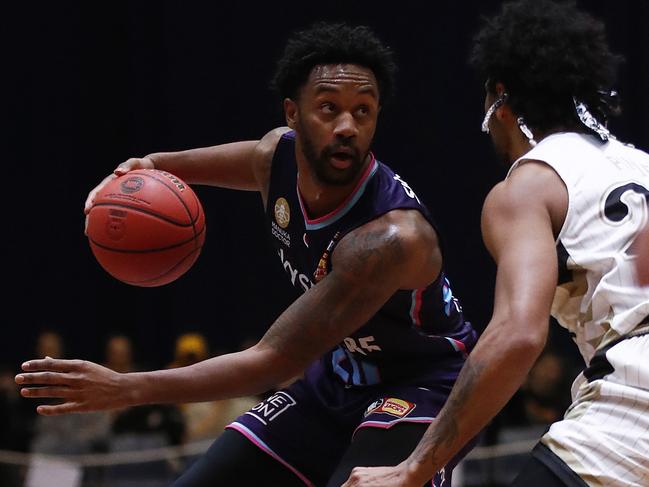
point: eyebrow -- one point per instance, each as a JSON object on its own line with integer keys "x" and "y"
{"x": 324, "y": 86}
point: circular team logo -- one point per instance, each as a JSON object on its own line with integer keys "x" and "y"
{"x": 132, "y": 185}
{"x": 282, "y": 212}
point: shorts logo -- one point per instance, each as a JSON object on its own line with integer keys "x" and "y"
{"x": 282, "y": 212}
{"x": 267, "y": 410}
{"x": 373, "y": 407}
{"x": 396, "y": 407}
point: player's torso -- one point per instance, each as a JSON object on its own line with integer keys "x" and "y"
{"x": 415, "y": 327}
{"x": 608, "y": 185}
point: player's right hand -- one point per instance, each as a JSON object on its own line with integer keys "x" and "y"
{"x": 81, "y": 386}
{"x": 126, "y": 166}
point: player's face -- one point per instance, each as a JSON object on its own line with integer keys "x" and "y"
{"x": 335, "y": 120}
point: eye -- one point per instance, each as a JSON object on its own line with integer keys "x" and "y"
{"x": 362, "y": 111}
{"x": 327, "y": 107}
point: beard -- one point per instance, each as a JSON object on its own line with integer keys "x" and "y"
{"x": 320, "y": 162}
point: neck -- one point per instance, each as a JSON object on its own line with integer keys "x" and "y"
{"x": 320, "y": 199}
{"x": 520, "y": 145}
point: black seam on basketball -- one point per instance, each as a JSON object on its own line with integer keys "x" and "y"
{"x": 170, "y": 188}
{"x": 145, "y": 251}
{"x": 148, "y": 212}
{"x": 198, "y": 213}
{"x": 168, "y": 271}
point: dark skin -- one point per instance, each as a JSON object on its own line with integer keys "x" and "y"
{"x": 519, "y": 232}
{"x": 339, "y": 102}
{"x": 641, "y": 247}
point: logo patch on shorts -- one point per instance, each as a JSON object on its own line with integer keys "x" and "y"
{"x": 373, "y": 407}
{"x": 269, "y": 409}
{"x": 396, "y": 407}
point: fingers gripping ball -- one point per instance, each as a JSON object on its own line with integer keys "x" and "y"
{"x": 146, "y": 228}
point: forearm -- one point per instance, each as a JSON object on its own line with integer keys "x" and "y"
{"x": 493, "y": 372}
{"x": 227, "y": 165}
{"x": 231, "y": 375}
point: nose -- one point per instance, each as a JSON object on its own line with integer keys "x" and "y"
{"x": 346, "y": 126}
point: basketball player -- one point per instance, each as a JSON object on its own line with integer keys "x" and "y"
{"x": 377, "y": 331}
{"x": 559, "y": 227}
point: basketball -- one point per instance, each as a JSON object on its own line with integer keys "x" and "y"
{"x": 146, "y": 228}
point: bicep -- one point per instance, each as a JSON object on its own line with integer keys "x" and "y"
{"x": 366, "y": 274}
{"x": 519, "y": 236}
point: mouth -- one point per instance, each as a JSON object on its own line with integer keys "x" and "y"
{"x": 341, "y": 159}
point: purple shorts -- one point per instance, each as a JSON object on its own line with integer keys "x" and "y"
{"x": 308, "y": 426}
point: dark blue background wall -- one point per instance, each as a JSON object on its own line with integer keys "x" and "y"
{"x": 87, "y": 85}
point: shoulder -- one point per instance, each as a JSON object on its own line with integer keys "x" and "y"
{"x": 531, "y": 183}
{"x": 401, "y": 242}
{"x": 263, "y": 157}
{"x": 267, "y": 144}
{"x": 533, "y": 189}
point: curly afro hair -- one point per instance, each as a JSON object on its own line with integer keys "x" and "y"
{"x": 333, "y": 43}
{"x": 545, "y": 53}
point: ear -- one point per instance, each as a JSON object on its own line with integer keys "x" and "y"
{"x": 504, "y": 112}
{"x": 290, "y": 112}
{"x": 500, "y": 89}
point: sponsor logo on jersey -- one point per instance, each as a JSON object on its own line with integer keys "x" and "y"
{"x": 132, "y": 185}
{"x": 396, "y": 407}
{"x": 296, "y": 276}
{"x": 282, "y": 212}
{"x": 268, "y": 410}
{"x": 406, "y": 188}
{"x": 373, "y": 407}
{"x": 280, "y": 234}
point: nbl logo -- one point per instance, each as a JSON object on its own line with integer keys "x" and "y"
{"x": 132, "y": 185}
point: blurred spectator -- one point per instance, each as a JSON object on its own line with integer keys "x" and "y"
{"x": 544, "y": 396}
{"x": 190, "y": 348}
{"x": 540, "y": 401}
{"x": 68, "y": 434}
{"x": 205, "y": 420}
{"x": 49, "y": 344}
{"x": 139, "y": 428}
{"x": 164, "y": 421}
{"x": 547, "y": 389}
{"x": 119, "y": 354}
{"x": 15, "y": 434}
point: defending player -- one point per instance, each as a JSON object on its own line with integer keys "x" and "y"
{"x": 377, "y": 328}
{"x": 560, "y": 228}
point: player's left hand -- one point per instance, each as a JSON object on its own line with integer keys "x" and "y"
{"x": 396, "y": 476}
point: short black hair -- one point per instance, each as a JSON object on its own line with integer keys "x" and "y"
{"x": 545, "y": 53}
{"x": 333, "y": 43}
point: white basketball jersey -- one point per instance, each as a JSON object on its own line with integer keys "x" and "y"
{"x": 597, "y": 297}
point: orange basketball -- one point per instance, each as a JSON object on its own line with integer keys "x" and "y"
{"x": 146, "y": 228}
